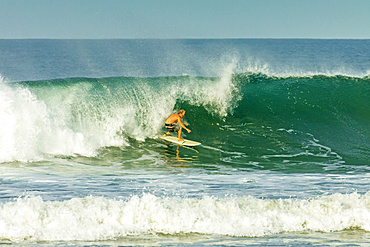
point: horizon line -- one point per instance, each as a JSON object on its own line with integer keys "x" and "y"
{"x": 204, "y": 38}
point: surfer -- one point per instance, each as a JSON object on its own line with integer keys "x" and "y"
{"x": 174, "y": 124}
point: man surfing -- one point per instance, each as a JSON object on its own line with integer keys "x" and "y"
{"x": 174, "y": 124}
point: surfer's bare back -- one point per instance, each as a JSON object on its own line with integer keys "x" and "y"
{"x": 174, "y": 124}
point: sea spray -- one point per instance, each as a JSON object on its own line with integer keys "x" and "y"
{"x": 24, "y": 124}
{"x": 34, "y": 127}
{"x": 218, "y": 95}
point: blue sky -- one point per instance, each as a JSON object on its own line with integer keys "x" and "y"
{"x": 97, "y": 19}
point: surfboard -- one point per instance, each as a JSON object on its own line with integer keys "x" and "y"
{"x": 185, "y": 142}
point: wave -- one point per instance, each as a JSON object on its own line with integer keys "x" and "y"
{"x": 97, "y": 218}
{"x": 82, "y": 115}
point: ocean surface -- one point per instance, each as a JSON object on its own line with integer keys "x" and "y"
{"x": 284, "y": 127}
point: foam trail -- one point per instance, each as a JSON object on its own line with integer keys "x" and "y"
{"x": 97, "y": 218}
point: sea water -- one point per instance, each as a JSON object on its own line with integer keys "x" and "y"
{"x": 284, "y": 126}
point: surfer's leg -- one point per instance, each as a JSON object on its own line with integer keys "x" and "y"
{"x": 167, "y": 134}
{"x": 179, "y": 139}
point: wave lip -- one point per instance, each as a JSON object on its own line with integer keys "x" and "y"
{"x": 97, "y": 218}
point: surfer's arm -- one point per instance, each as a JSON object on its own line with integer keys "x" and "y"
{"x": 182, "y": 125}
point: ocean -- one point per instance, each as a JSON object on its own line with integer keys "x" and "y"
{"x": 284, "y": 126}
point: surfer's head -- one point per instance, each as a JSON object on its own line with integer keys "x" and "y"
{"x": 181, "y": 113}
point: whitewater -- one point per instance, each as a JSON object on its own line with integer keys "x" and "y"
{"x": 284, "y": 127}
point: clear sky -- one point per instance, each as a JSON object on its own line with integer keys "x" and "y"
{"x": 96, "y": 19}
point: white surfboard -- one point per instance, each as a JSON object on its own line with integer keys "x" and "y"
{"x": 185, "y": 142}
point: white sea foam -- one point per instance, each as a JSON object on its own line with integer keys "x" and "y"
{"x": 31, "y": 128}
{"x": 97, "y": 218}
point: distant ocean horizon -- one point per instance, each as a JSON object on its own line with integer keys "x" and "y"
{"x": 284, "y": 127}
